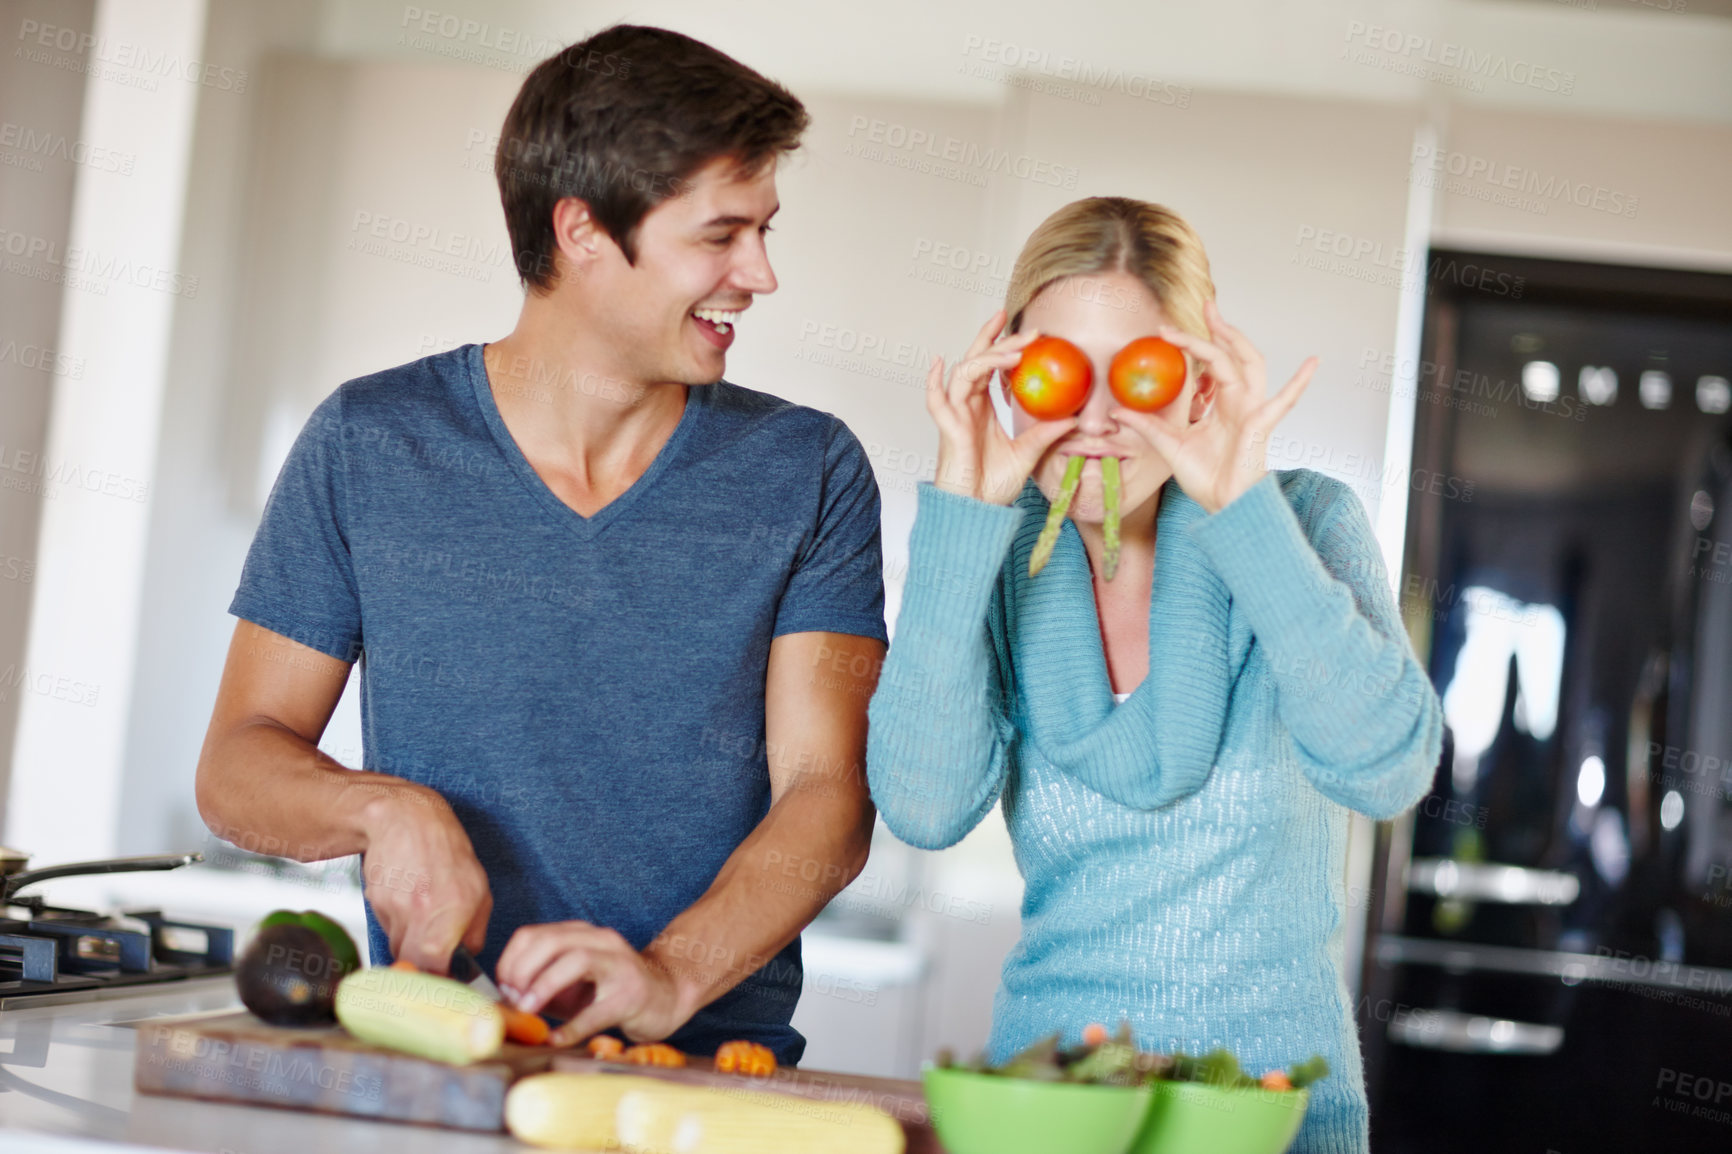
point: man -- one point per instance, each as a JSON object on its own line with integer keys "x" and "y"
{"x": 612, "y": 612}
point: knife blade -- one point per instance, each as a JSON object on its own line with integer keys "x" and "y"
{"x": 464, "y": 968}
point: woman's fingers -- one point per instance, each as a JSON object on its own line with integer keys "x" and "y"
{"x": 947, "y": 402}
{"x": 1230, "y": 337}
{"x": 983, "y": 339}
{"x": 980, "y": 360}
{"x": 1037, "y": 440}
{"x": 959, "y": 434}
{"x": 1016, "y": 341}
{"x": 972, "y": 375}
{"x": 1223, "y": 365}
{"x": 1150, "y": 428}
{"x": 935, "y": 398}
{"x": 1282, "y": 402}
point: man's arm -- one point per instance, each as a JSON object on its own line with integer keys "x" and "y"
{"x": 263, "y": 784}
{"x": 818, "y": 832}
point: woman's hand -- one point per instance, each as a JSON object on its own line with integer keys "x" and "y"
{"x": 1220, "y": 456}
{"x": 976, "y": 458}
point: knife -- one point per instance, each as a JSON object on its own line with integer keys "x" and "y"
{"x": 464, "y": 968}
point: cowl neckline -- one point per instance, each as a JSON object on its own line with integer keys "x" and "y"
{"x": 1060, "y": 665}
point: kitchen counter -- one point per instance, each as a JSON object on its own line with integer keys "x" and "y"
{"x": 66, "y": 1077}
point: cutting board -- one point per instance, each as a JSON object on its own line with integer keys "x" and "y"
{"x": 234, "y": 1057}
{"x": 902, "y": 1100}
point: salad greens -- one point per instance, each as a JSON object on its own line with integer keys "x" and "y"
{"x": 1100, "y": 1060}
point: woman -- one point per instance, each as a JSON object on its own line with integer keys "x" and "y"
{"x": 1177, "y": 748}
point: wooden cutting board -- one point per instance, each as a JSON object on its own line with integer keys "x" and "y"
{"x": 902, "y": 1100}
{"x": 237, "y": 1058}
{"x": 234, "y": 1057}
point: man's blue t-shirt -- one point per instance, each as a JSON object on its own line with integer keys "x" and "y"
{"x": 588, "y": 693}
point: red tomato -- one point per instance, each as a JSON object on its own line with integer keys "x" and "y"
{"x": 1147, "y": 374}
{"x": 1052, "y": 379}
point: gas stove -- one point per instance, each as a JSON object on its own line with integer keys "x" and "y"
{"x": 71, "y": 955}
{"x": 52, "y": 954}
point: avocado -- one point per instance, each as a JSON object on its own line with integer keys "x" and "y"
{"x": 288, "y": 975}
{"x": 342, "y": 945}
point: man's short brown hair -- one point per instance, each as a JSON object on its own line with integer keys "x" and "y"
{"x": 622, "y": 120}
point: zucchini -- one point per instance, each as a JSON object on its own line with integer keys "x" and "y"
{"x": 421, "y": 1014}
{"x": 666, "y": 1119}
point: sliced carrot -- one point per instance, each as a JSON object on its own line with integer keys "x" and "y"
{"x": 745, "y": 1058}
{"x": 653, "y": 1054}
{"x": 1094, "y": 1034}
{"x": 406, "y": 965}
{"x": 1277, "y": 1080}
{"x": 521, "y": 1026}
{"x": 604, "y": 1046}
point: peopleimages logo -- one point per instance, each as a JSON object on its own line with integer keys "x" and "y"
{"x": 32, "y": 472}
{"x": 86, "y": 269}
{"x": 33, "y": 144}
{"x": 90, "y": 53}
{"x": 58, "y": 686}
{"x": 40, "y": 358}
{"x": 1525, "y": 188}
{"x": 1370, "y": 260}
{"x": 927, "y": 151}
{"x": 477, "y": 34}
{"x": 1445, "y": 61}
{"x": 1041, "y": 64}
{"x": 426, "y": 246}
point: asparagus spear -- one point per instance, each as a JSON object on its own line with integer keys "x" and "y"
{"x": 1110, "y": 528}
{"x": 1048, "y": 539}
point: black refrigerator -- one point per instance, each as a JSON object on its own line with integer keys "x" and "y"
{"x": 1548, "y": 959}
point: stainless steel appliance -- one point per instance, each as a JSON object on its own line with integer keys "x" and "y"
{"x": 1549, "y": 957}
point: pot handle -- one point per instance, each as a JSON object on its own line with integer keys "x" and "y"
{"x": 109, "y": 866}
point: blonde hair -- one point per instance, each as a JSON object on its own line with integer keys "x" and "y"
{"x": 1114, "y": 233}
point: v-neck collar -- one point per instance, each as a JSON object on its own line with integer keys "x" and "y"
{"x": 697, "y": 399}
{"x": 1056, "y": 646}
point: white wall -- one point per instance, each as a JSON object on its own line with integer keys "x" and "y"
{"x": 1639, "y": 191}
{"x": 1621, "y": 58}
{"x": 40, "y": 157}
{"x": 117, "y": 313}
{"x": 201, "y": 520}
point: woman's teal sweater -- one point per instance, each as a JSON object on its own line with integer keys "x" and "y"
{"x": 1183, "y": 851}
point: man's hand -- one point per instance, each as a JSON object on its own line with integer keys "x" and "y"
{"x": 592, "y": 977}
{"x": 262, "y": 781}
{"x": 423, "y": 880}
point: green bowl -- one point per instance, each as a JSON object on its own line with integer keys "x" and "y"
{"x": 988, "y": 1114}
{"x": 1190, "y": 1116}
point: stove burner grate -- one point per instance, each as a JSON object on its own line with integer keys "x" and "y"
{"x": 60, "y": 952}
